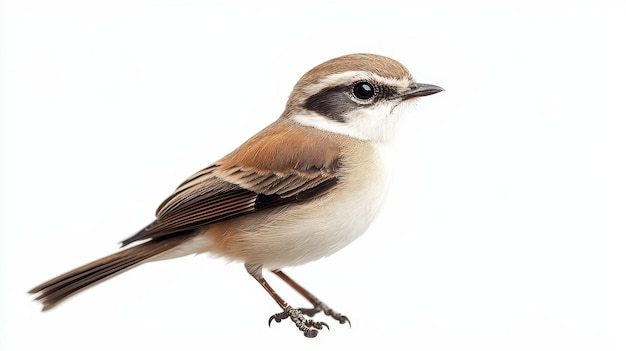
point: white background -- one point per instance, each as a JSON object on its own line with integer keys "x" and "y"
{"x": 506, "y": 229}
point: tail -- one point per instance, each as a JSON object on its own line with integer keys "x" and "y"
{"x": 56, "y": 290}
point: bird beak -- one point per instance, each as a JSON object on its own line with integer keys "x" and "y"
{"x": 418, "y": 90}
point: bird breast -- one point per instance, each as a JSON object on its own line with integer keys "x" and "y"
{"x": 302, "y": 232}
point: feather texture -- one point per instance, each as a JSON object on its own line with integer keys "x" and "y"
{"x": 56, "y": 290}
{"x": 283, "y": 163}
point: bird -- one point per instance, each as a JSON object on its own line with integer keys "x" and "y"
{"x": 299, "y": 190}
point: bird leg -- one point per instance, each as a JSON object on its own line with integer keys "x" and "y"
{"x": 318, "y": 305}
{"x": 307, "y": 326}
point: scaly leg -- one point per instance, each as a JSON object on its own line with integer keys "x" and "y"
{"x": 307, "y": 326}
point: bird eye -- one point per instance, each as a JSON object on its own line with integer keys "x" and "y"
{"x": 363, "y": 90}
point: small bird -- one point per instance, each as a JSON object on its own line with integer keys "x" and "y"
{"x": 301, "y": 189}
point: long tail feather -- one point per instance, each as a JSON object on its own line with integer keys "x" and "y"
{"x": 56, "y": 290}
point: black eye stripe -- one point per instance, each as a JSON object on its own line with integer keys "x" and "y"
{"x": 335, "y": 102}
{"x": 332, "y": 103}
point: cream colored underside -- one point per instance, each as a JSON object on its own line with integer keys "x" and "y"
{"x": 302, "y": 232}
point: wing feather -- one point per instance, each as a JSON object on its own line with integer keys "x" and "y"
{"x": 281, "y": 164}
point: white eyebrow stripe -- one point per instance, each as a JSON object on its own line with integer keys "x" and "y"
{"x": 347, "y": 77}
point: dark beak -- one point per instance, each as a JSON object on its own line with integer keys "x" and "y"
{"x": 418, "y": 90}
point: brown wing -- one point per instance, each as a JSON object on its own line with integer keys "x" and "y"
{"x": 282, "y": 164}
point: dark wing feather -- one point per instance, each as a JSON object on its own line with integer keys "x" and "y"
{"x": 277, "y": 166}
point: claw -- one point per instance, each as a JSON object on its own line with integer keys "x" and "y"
{"x": 307, "y": 326}
{"x": 278, "y": 317}
{"x": 338, "y": 317}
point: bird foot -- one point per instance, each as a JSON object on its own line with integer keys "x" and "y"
{"x": 321, "y": 307}
{"x": 308, "y": 326}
